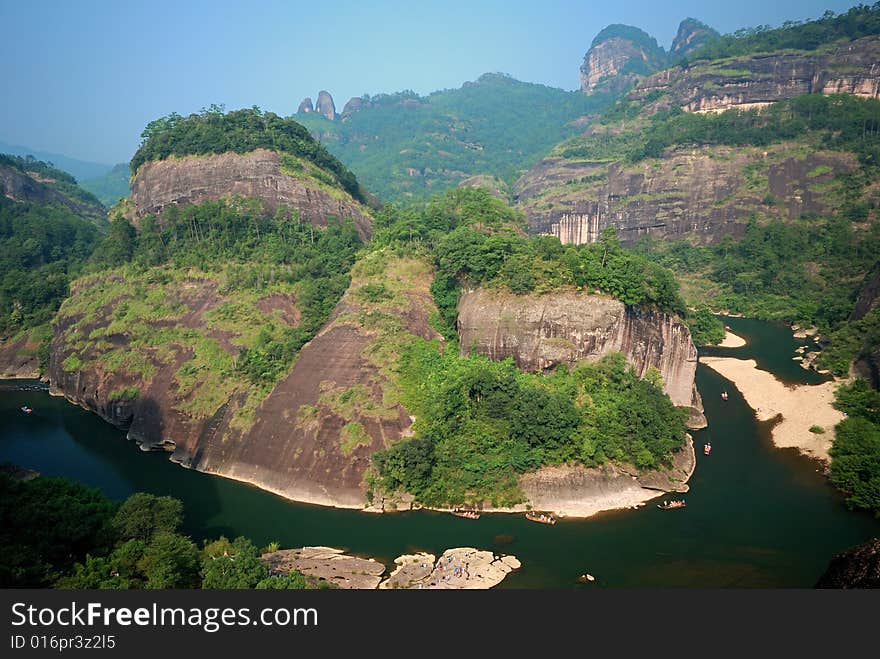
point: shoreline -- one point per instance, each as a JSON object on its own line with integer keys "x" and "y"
{"x": 731, "y": 340}
{"x": 618, "y": 490}
{"x": 798, "y": 407}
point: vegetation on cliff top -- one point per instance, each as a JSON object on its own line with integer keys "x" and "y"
{"x": 241, "y": 131}
{"x": 230, "y": 257}
{"x": 57, "y": 533}
{"x": 859, "y": 21}
{"x": 407, "y": 147}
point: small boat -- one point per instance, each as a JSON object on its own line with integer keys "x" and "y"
{"x": 707, "y": 449}
{"x": 671, "y": 504}
{"x": 467, "y": 514}
{"x": 543, "y": 518}
{"x": 26, "y": 409}
{"x": 723, "y": 395}
{"x": 586, "y": 578}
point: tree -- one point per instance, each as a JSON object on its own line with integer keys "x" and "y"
{"x": 232, "y": 565}
{"x": 170, "y": 561}
{"x": 143, "y": 515}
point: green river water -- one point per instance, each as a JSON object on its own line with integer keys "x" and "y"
{"x": 756, "y": 516}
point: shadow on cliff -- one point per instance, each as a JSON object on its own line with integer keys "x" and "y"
{"x": 152, "y": 471}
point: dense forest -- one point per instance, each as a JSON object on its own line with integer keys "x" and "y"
{"x": 216, "y": 131}
{"x": 408, "y": 147}
{"x": 855, "y": 455}
{"x": 58, "y": 533}
{"x": 859, "y": 21}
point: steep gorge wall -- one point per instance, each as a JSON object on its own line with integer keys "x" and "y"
{"x": 195, "y": 179}
{"x": 540, "y": 331}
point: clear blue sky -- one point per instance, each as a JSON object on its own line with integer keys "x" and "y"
{"x": 83, "y": 77}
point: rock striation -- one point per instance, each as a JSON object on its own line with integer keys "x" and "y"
{"x": 541, "y": 331}
{"x": 758, "y": 80}
{"x": 258, "y": 174}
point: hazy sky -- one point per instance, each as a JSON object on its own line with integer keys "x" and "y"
{"x": 84, "y": 77}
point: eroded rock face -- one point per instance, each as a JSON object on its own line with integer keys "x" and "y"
{"x": 704, "y": 193}
{"x": 867, "y": 365}
{"x": 306, "y": 106}
{"x": 21, "y": 186}
{"x": 195, "y": 179}
{"x": 691, "y": 35}
{"x": 541, "y": 331}
{"x": 759, "y": 80}
{"x": 617, "y": 56}
{"x": 324, "y": 105}
{"x": 296, "y": 444}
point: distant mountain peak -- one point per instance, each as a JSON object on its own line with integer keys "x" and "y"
{"x": 617, "y": 55}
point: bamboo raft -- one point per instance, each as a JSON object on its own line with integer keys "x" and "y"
{"x": 541, "y": 518}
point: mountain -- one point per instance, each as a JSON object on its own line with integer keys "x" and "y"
{"x": 48, "y": 229}
{"x": 617, "y": 56}
{"x": 80, "y": 169}
{"x": 111, "y": 187}
{"x": 404, "y": 146}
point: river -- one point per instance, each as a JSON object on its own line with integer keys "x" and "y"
{"x": 756, "y": 516}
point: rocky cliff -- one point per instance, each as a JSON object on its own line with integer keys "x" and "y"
{"x": 867, "y": 362}
{"x": 857, "y": 567}
{"x": 259, "y": 174}
{"x": 704, "y": 193}
{"x": 618, "y": 56}
{"x": 21, "y": 186}
{"x": 306, "y": 106}
{"x": 691, "y": 35}
{"x": 757, "y": 80}
{"x": 325, "y": 106}
{"x": 310, "y": 438}
{"x": 541, "y": 331}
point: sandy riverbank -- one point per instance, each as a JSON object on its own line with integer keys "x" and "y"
{"x": 801, "y": 406}
{"x": 731, "y": 340}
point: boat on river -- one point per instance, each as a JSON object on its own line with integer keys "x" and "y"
{"x": 542, "y": 518}
{"x": 27, "y": 410}
{"x": 670, "y": 505}
{"x": 723, "y": 395}
{"x": 467, "y": 514}
{"x": 707, "y": 449}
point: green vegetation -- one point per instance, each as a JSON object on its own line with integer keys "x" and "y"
{"x": 226, "y": 255}
{"x": 57, "y": 533}
{"x": 480, "y": 424}
{"x": 475, "y": 239}
{"x": 55, "y": 178}
{"x": 406, "y": 147}
{"x": 855, "y": 454}
{"x": 241, "y": 131}
{"x": 111, "y": 187}
{"x": 859, "y": 21}
{"x": 842, "y": 122}
{"x": 42, "y": 248}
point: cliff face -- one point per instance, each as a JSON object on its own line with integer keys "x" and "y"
{"x": 691, "y": 35}
{"x": 28, "y": 186}
{"x": 324, "y": 105}
{"x": 705, "y": 193}
{"x": 195, "y": 179}
{"x": 867, "y": 363}
{"x": 619, "y": 54}
{"x": 306, "y": 106}
{"x": 758, "y": 80}
{"x": 309, "y": 439}
{"x": 540, "y": 331}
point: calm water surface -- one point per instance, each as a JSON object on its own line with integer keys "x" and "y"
{"x": 756, "y": 516}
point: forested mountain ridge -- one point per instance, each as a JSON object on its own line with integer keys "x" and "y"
{"x": 404, "y": 146}
{"x": 48, "y": 229}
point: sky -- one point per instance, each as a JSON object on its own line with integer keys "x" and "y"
{"x": 83, "y": 78}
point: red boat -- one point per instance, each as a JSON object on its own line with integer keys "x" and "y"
{"x": 27, "y": 410}
{"x": 723, "y": 395}
{"x": 707, "y": 449}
